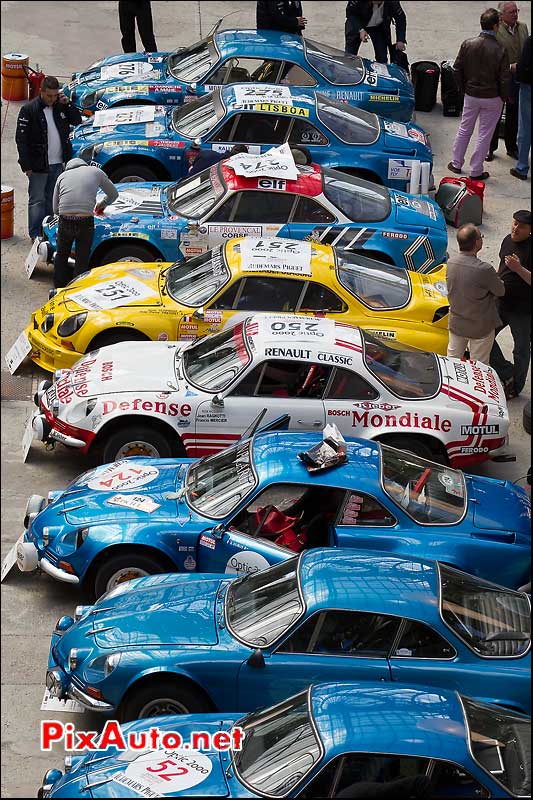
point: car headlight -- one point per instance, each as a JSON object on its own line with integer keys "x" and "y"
{"x": 46, "y": 536}
{"x": 72, "y": 659}
{"x": 101, "y": 667}
{"x": 81, "y": 535}
{"x": 91, "y": 98}
{"x": 54, "y": 683}
{"x": 48, "y": 323}
{"x": 71, "y": 325}
{"x": 89, "y": 152}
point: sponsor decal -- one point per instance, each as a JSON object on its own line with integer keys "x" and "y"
{"x": 207, "y": 541}
{"x": 127, "y": 69}
{"x": 337, "y": 412}
{"x": 188, "y": 326}
{"x": 252, "y": 94}
{"x": 138, "y": 502}
{"x": 479, "y": 430}
{"x": 417, "y": 135}
{"x": 278, "y": 184}
{"x": 399, "y": 168}
{"x": 473, "y": 450}
{"x": 271, "y": 108}
{"x": 165, "y": 143}
{"x": 231, "y": 231}
{"x": 246, "y": 562}
{"x": 397, "y": 128}
{"x": 287, "y": 352}
{"x": 121, "y": 476}
{"x": 162, "y": 337}
{"x": 408, "y": 420}
{"x": 370, "y": 406}
{"x": 335, "y": 358}
{"x": 276, "y": 255}
{"x": 346, "y": 95}
{"x": 163, "y": 772}
{"x": 383, "y": 98}
{"x": 382, "y": 334}
{"x": 297, "y": 328}
{"x": 112, "y": 294}
{"x": 169, "y": 233}
{"x": 485, "y": 382}
{"x": 158, "y": 407}
{"x": 380, "y": 69}
{"x": 213, "y": 316}
{"x": 394, "y": 235}
{"x": 129, "y": 115}
{"x": 461, "y": 373}
{"x": 189, "y": 563}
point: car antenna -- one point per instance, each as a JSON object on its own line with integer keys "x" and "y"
{"x": 215, "y": 28}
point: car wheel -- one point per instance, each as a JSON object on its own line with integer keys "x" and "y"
{"x": 107, "y": 338}
{"x": 415, "y": 446}
{"x": 137, "y": 440}
{"x": 526, "y": 417}
{"x": 127, "y": 252}
{"x": 163, "y": 697}
{"x": 133, "y": 172}
{"x": 125, "y": 567}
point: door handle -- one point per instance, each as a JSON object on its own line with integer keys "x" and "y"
{"x": 315, "y": 422}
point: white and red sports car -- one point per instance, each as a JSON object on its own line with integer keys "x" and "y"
{"x": 193, "y": 399}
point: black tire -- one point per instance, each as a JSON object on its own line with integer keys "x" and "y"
{"x": 167, "y": 696}
{"x": 411, "y": 444}
{"x": 526, "y": 417}
{"x": 128, "y": 441}
{"x": 127, "y": 251}
{"x": 133, "y": 562}
{"x": 131, "y": 171}
{"x": 106, "y": 338}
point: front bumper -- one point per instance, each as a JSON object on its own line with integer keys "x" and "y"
{"x": 49, "y": 356}
{"x": 68, "y": 684}
{"x": 31, "y": 557}
{"x": 55, "y": 572}
{"x": 46, "y": 433}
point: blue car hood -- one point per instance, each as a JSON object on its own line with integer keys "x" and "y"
{"x": 137, "y": 200}
{"x": 173, "y": 611}
{"x": 93, "y": 75}
{"x": 497, "y": 503}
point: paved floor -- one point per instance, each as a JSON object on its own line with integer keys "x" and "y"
{"x": 63, "y": 37}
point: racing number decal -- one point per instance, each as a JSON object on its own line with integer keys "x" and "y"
{"x": 162, "y": 768}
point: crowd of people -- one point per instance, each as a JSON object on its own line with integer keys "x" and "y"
{"x": 492, "y": 70}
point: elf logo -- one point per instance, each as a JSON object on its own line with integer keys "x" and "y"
{"x": 479, "y": 430}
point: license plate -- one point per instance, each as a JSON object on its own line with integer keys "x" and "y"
{"x": 32, "y": 258}
{"x": 10, "y": 560}
{"x": 27, "y": 438}
{"x": 18, "y": 352}
{"x": 54, "y": 704}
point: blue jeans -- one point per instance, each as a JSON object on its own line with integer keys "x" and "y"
{"x": 524, "y": 128}
{"x": 40, "y": 193}
{"x": 520, "y": 325}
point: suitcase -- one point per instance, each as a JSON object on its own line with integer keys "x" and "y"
{"x": 461, "y": 200}
{"x": 425, "y": 77}
{"x": 452, "y": 98}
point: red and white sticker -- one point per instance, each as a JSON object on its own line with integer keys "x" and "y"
{"x": 164, "y": 772}
{"x": 121, "y": 476}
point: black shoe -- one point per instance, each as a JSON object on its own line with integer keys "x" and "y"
{"x": 520, "y": 175}
{"x": 490, "y": 157}
{"x": 513, "y": 154}
{"x": 482, "y": 177}
{"x": 454, "y": 169}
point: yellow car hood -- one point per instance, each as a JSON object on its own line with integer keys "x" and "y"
{"x": 147, "y": 275}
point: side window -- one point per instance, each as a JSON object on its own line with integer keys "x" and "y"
{"x": 350, "y": 386}
{"x": 451, "y": 780}
{"x": 365, "y": 511}
{"x": 261, "y": 129}
{"x": 285, "y": 379}
{"x": 344, "y": 633}
{"x": 304, "y": 133}
{"x": 367, "y": 775}
{"x": 318, "y": 298}
{"x": 420, "y": 641}
{"x": 310, "y": 211}
{"x": 223, "y": 213}
{"x": 234, "y": 70}
{"x": 269, "y": 294}
{"x": 295, "y": 75}
{"x": 224, "y": 133}
{"x": 227, "y": 299}
{"x": 264, "y": 207}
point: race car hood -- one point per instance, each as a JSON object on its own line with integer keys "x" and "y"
{"x": 474, "y": 384}
{"x": 497, "y": 503}
{"x": 136, "y": 200}
{"x": 88, "y": 133}
{"x": 171, "y": 611}
{"x": 419, "y": 211}
{"x": 150, "y": 368}
{"x": 122, "y": 69}
{"x": 69, "y": 300}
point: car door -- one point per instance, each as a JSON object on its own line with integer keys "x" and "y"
{"x": 347, "y": 391}
{"x": 230, "y": 551}
{"x": 366, "y": 523}
{"x": 251, "y": 213}
{"x": 259, "y": 132}
{"x": 277, "y": 385}
{"x": 421, "y": 656}
{"x": 308, "y": 215}
{"x": 330, "y": 645}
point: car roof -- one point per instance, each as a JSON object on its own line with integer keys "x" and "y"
{"x": 379, "y": 583}
{"x": 316, "y": 335}
{"x": 365, "y": 717}
{"x": 276, "y": 459}
{"x": 320, "y": 266}
{"x": 306, "y": 98}
{"x": 262, "y": 43}
{"x": 308, "y": 183}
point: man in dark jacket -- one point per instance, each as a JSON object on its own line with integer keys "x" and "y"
{"x": 523, "y": 76}
{"x": 140, "y": 11}
{"x": 43, "y": 144}
{"x": 372, "y": 20}
{"x": 202, "y": 159}
{"x": 482, "y": 72}
{"x": 286, "y": 15}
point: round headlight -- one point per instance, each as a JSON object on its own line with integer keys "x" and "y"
{"x": 54, "y": 682}
{"x": 63, "y": 624}
{"x": 48, "y": 323}
{"x": 51, "y": 776}
{"x": 71, "y": 325}
{"x": 46, "y": 536}
{"x": 111, "y": 663}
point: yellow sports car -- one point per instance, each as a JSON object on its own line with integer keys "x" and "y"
{"x": 132, "y": 301}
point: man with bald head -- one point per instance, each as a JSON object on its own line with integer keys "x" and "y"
{"x": 473, "y": 291}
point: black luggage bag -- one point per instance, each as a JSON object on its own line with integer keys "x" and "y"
{"x": 452, "y": 98}
{"x": 425, "y": 77}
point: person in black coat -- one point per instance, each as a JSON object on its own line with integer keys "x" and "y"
{"x": 202, "y": 159}
{"x": 286, "y": 15}
{"x": 372, "y": 20}
{"x": 129, "y": 12}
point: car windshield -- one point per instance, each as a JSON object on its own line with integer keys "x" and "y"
{"x": 280, "y": 747}
{"x": 500, "y": 742}
{"x": 429, "y": 493}
{"x": 262, "y": 607}
{"x": 376, "y": 285}
{"x": 352, "y": 125}
{"x": 334, "y": 65}
{"x": 194, "y": 282}
{"x": 492, "y": 621}
{"x": 196, "y": 119}
{"x": 409, "y": 374}
{"x": 194, "y": 197}
{"x": 359, "y": 200}
{"x": 213, "y": 362}
{"x": 217, "y": 484}
{"x": 192, "y": 63}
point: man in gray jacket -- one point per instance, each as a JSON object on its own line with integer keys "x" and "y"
{"x": 473, "y": 289}
{"x": 75, "y": 202}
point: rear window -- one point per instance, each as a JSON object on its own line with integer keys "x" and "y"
{"x": 194, "y": 197}
{"x": 196, "y": 119}
{"x": 352, "y": 125}
{"x": 192, "y": 63}
{"x": 194, "y": 282}
{"x": 359, "y": 200}
{"x": 214, "y": 361}
{"x": 334, "y": 65}
{"x": 377, "y": 286}
{"x": 409, "y": 374}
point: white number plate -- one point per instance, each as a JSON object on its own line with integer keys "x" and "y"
{"x": 18, "y": 352}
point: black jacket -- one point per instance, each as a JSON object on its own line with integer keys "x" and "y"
{"x": 523, "y": 68}
{"x": 205, "y": 159}
{"x": 279, "y": 16}
{"x": 32, "y": 133}
{"x": 360, "y": 12}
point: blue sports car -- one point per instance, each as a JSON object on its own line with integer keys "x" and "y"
{"x": 169, "y": 221}
{"x": 334, "y": 740}
{"x": 337, "y": 135}
{"x": 243, "y": 56}
{"x": 226, "y": 512}
{"x": 206, "y": 643}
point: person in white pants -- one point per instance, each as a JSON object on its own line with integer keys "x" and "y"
{"x": 473, "y": 290}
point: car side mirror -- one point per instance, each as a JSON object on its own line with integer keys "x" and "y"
{"x": 199, "y": 314}
{"x": 218, "y": 531}
{"x": 218, "y": 401}
{"x": 256, "y": 659}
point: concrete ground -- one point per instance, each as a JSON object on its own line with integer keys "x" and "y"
{"x": 66, "y": 36}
